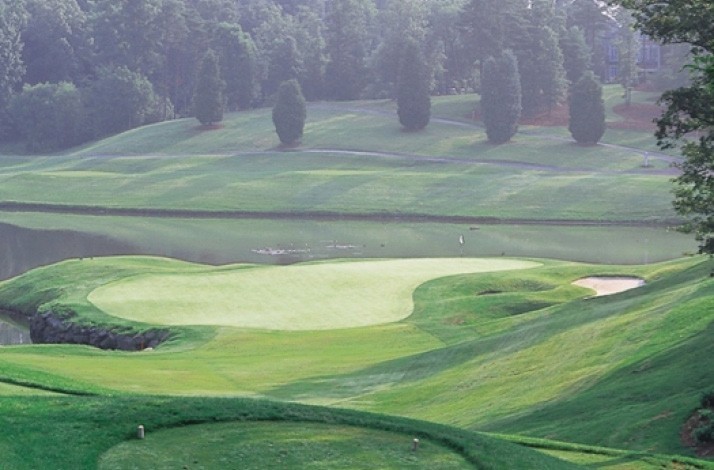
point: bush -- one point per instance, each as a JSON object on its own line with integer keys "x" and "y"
{"x": 707, "y": 400}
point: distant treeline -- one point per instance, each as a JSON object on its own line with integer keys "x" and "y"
{"x": 76, "y": 70}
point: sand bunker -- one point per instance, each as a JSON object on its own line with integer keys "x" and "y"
{"x": 609, "y": 285}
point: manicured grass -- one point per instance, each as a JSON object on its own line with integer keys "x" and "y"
{"x": 297, "y": 182}
{"x": 449, "y": 169}
{"x": 278, "y": 445}
{"x": 300, "y": 297}
{"x": 74, "y": 433}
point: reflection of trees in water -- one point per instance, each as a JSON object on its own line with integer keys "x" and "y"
{"x": 22, "y": 249}
{"x": 11, "y": 334}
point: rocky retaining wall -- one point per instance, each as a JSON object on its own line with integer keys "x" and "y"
{"x": 53, "y": 328}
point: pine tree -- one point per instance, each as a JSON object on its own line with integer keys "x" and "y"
{"x": 208, "y": 96}
{"x": 587, "y": 110}
{"x": 413, "y": 99}
{"x": 501, "y": 97}
{"x": 289, "y": 113}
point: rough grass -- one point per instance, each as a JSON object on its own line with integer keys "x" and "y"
{"x": 300, "y": 297}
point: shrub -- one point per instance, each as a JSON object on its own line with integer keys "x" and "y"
{"x": 707, "y": 400}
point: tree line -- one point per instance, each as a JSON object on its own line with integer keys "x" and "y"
{"x": 75, "y": 70}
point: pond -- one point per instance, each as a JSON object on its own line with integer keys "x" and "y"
{"x": 31, "y": 240}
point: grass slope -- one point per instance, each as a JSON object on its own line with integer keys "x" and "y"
{"x": 354, "y": 160}
{"x": 517, "y": 352}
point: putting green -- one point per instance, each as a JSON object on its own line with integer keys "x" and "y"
{"x": 321, "y": 296}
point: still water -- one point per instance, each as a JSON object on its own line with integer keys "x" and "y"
{"x": 220, "y": 241}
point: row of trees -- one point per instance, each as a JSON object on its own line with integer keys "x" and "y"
{"x": 339, "y": 49}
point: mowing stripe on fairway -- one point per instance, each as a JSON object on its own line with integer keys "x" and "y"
{"x": 299, "y": 297}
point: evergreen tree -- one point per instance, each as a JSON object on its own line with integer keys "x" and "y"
{"x": 587, "y": 110}
{"x": 576, "y": 54}
{"x": 413, "y": 99}
{"x": 289, "y": 113}
{"x": 208, "y": 97}
{"x": 501, "y": 97}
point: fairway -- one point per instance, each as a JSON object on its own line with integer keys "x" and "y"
{"x": 298, "y": 297}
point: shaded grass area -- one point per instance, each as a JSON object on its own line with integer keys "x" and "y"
{"x": 70, "y": 433}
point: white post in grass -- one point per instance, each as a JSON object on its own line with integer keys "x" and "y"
{"x": 140, "y": 432}
{"x": 415, "y": 444}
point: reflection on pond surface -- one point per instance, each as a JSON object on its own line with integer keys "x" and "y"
{"x": 11, "y": 333}
{"x": 221, "y": 241}
{"x": 55, "y": 237}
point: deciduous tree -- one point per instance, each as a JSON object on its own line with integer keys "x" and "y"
{"x": 49, "y": 116}
{"x": 689, "y": 117}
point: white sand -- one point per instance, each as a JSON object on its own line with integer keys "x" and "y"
{"x": 609, "y": 285}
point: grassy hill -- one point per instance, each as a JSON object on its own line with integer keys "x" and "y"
{"x": 354, "y": 159}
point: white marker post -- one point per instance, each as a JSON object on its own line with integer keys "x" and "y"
{"x": 140, "y": 432}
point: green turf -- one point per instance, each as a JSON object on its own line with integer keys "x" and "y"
{"x": 300, "y": 297}
{"x": 278, "y": 445}
{"x": 448, "y": 169}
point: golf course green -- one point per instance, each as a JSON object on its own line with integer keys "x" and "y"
{"x": 299, "y": 297}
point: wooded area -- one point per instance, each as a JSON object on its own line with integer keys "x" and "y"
{"x": 105, "y": 66}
